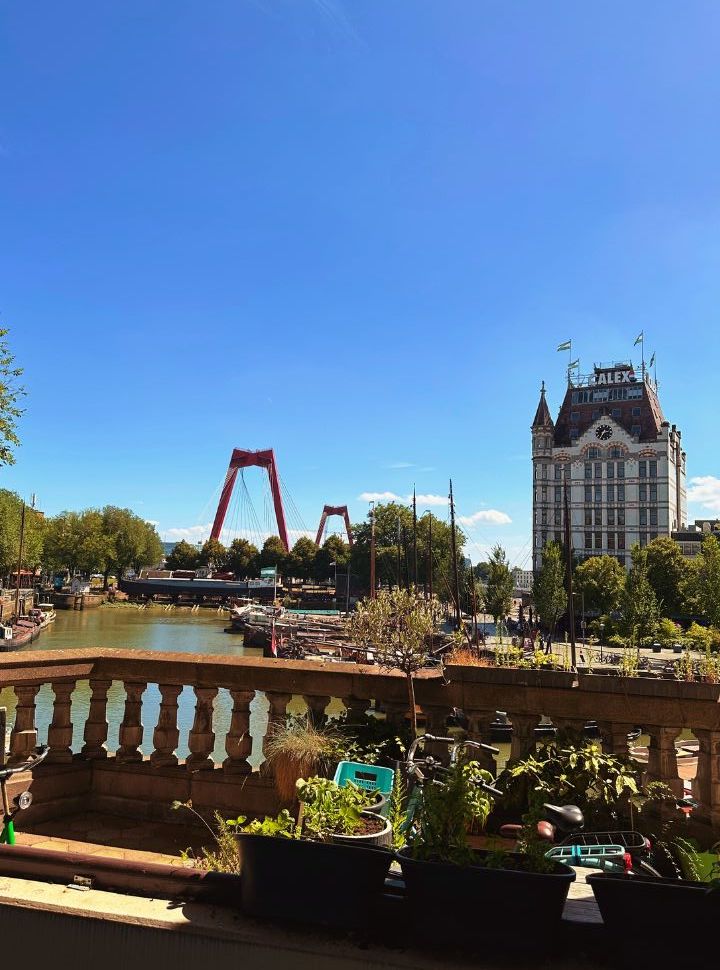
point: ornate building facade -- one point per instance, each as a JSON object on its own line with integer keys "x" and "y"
{"x": 621, "y": 462}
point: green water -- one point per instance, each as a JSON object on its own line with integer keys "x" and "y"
{"x": 132, "y": 629}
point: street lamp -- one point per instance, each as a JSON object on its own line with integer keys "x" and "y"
{"x": 601, "y": 627}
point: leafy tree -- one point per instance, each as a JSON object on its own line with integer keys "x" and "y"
{"x": 707, "y": 580}
{"x": 243, "y": 558}
{"x": 386, "y": 538}
{"x": 668, "y": 573}
{"x": 10, "y": 518}
{"x": 548, "y": 592}
{"x": 213, "y": 555}
{"x": 10, "y": 394}
{"x": 301, "y": 561}
{"x": 183, "y": 556}
{"x": 398, "y": 623}
{"x": 601, "y": 580}
{"x": 333, "y": 550}
{"x": 499, "y": 586}
{"x": 134, "y": 542}
{"x": 273, "y": 553}
{"x": 76, "y": 541}
{"x": 639, "y": 604}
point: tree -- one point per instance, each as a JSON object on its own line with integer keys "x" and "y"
{"x": 668, "y": 573}
{"x": 639, "y": 604}
{"x": 10, "y": 518}
{"x": 499, "y": 586}
{"x": 548, "y": 592}
{"x": 10, "y": 394}
{"x": 600, "y": 580}
{"x": 334, "y": 550}
{"x": 387, "y": 516}
{"x": 213, "y": 555}
{"x": 243, "y": 558}
{"x": 398, "y": 623}
{"x": 707, "y": 580}
{"x": 301, "y": 561}
{"x": 273, "y": 553}
{"x": 183, "y": 556}
{"x": 133, "y": 541}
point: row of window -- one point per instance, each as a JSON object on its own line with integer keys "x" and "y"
{"x": 613, "y": 469}
{"x": 615, "y": 540}
{"x": 594, "y": 493}
{"x": 615, "y": 413}
{"x": 635, "y": 431}
{"x": 601, "y": 394}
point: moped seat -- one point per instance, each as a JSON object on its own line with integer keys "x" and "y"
{"x": 568, "y": 818}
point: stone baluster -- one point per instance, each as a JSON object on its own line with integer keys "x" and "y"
{"x": 201, "y": 740}
{"x": 572, "y": 727}
{"x": 316, "y": 708}
{"x": 166, "y": 734}
{"x": 60, "y": 731}
{"x": 96, "y": 726}
{"x": 706, "y": 784}
{"x": 131, "y": 728}
{"x": 662, "y": 757}
{"x": 23, "y": 737}
{"x": 614, "y": 736}
{"x": 480, "y": 730}
{"x": 523, "y": 735}
{"x": 356, "y": 708}
{"x": 277, "y": 714}
{"x": 396, "y": 713}
{"x": 238, "y": 741}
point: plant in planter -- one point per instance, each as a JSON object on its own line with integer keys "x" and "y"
{"x": 293, "y": 869}
{"x": 399, "y": 624}
{"x": 298, "y": 749}
{"x": 445, "y": 876}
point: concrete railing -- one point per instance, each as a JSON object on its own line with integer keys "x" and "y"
{"x": 145, "y": 770}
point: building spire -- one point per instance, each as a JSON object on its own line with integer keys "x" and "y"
{"x": 542, "y": 415}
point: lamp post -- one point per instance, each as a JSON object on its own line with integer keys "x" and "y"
{"x": 601, "y": 627}
{"x": 429, "y": 567}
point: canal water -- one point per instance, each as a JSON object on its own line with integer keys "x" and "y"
{"x": 154, "y": 629}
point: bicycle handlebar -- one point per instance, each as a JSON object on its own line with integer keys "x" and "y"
{"x": 8, "y": 772}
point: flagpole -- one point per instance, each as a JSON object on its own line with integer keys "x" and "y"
{"x": 569, "y": 360}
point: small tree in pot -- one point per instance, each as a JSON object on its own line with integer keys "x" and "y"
{"x": 399, "y": 625}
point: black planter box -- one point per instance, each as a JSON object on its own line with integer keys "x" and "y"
{"x": 335, "y": 885}
{"x": 450, "y": 901}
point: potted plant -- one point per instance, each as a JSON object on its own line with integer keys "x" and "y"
{"x": 327, "y": 867}
{"x": 444, "y": 876}
{"x": 298, "y": 749}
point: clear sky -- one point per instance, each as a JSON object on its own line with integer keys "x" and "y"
{"x": 352, "y": 230}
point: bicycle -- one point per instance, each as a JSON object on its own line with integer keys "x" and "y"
{"x": 24, "y": 799}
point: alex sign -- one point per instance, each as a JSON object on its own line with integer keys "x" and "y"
{"x": 614, "y": 377}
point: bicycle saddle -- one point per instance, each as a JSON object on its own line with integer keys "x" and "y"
{"x": 566, "y": 817}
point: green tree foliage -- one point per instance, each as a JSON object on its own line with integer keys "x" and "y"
{"x": 399, "y": 625}
{"x": 10, "y": 517}
{"x": 10, "y": 394}
{"x": 183, "y": 556}
{"x": 243, "y": 559}
{"x": 639, "y": 604}
{"x": 134, "y": 542}
{"x": 668, "y": 573}
{"x": 273, "y": 553}
{"x": 548, "y": 592}
{"x": 499, "y": 586}
{"x": 386, "y": 549}
{"x": 213, "y": 555}
{"x": 707, "y": 580}
{"x": 301, "y": 561}
{"x": 100, "y": 541}
{"x": 600, "y": 580}
{"x": 333, "y": 550}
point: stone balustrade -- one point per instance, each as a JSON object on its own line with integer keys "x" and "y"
{"x": 145, "y": 772}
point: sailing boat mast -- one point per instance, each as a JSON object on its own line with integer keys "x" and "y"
{"x": 372, "y": 550}
{"x": 453, "y": 543}
{"x": 19, "y": 564}
{"x": 415, "y": 561}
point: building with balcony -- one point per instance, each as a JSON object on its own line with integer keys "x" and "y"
{"x": 617, "y": 457}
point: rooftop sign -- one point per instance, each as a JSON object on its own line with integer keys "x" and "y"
{"x": 616, "y": 375}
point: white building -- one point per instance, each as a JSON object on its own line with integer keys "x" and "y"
{"x": 622, "y": 462}
{"x": 523, "y": 579}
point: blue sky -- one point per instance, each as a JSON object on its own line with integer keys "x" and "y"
{"x": 352, "y": 231}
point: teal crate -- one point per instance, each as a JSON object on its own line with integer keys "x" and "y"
{"x": 369, "y": 777}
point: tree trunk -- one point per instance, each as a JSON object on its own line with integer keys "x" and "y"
{"x": 411, "y": 699}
